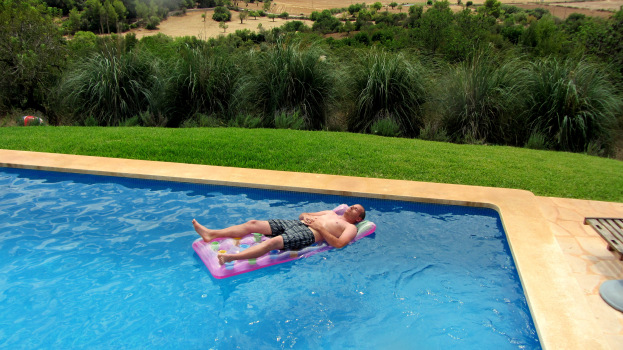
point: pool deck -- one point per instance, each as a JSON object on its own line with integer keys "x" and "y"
{"x": 561, "y": 262}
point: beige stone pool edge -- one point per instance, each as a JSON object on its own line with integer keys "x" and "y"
{"x": 561, "y": 312}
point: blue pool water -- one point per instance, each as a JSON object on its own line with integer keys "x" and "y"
{"x": 102, "y": 262}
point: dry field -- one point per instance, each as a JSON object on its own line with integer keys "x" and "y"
{"x": 603, "y": 9}
{"x": 192, "y": 24}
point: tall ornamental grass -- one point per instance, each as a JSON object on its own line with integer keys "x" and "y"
{"x": 289, "y": 77}
{"x": 204, "y": 82}
{"x": 481, "y": 101}
{"x": 113, "y": 86}
{"x": 573, "y": 104}
{"x": 387, "y": 86}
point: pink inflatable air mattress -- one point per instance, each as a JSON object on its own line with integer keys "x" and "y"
{"x": 208, "y": 251}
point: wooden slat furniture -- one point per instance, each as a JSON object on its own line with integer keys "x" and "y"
{"x": 611, "y": 230}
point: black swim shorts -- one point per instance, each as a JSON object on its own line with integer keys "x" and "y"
{"x": 296, "y": 235}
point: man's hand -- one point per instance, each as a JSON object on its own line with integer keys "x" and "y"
{"x": 312, "y": 223}
{"x": 306, "y": 219}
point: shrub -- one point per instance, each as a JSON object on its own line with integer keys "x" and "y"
{"x": 111, "y": 86}
{"x": 206, "y": 3}
{"x": 289, "y": 77}
{"x": 222, "y": 14}
{"x": 385, "y": 127}
{"x": 295, "y": 26}
{"x": 90, "y": 121}
{"x": 363, "y": 38}
{"x": 82, "y": 44}
{"x": 325, "y": 22}
{"x": 538, "y": 12}
{"x": 354, "y": 8}
{"x": 289, "y": 120}
{"x": 480, "y": 100}
{"x": 513, "y": 33}
{"x": 153, "y": 23}
{"x": 203, "y": 121}
{"x": 205, "y": 81}
{"x": 573, "y": 103}
{"x": 386, "y": 85}
{"x": 509, "y": 9}
{"x": 537, "y": 140}
{"x": 432, "y": 132}
{"x": 245, "y": 121}
{"x": 545, "y": 36}
{"x": 32, "y": 55}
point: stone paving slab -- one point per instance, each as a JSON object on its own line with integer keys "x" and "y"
{"x": 587, "y": 254}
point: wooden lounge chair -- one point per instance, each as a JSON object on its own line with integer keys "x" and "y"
{"x": 612, "y": 231}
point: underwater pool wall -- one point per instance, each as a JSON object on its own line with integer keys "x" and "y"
{"x": 559, "y": 310}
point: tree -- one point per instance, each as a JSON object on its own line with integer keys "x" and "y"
{"x": 354, "y": 8}
{"x": 614, "y": 40}
{"x": 435, "y": 25}
{"x": 92, "y": 15}
{"x": 223, "y": 26}
{"x": 64, "y": 5}
{"x": 243, "y": 15}
{"x": 105, "y": 16}
{"x": 109, "y": 14}
{"x": 491, "y": 8}
{"x": 416, "y": 12}
{"x": 32, "y": 54}
{"x": 74, "y": 22}
{"x": 393, "y": 4}
{"x": 544, "y": 36}
{"x": 266, "y": 6}
{"x": 121, "y": 12}
{"x": 146, "y": 12}
{"x": 377, "y": 6}
{"x": 348, "y": 27}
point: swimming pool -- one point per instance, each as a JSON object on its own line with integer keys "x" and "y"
{"x": 107, "y": 262}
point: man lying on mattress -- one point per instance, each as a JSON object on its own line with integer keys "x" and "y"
{"x": 326, "y": 225}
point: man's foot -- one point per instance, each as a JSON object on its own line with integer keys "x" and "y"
{"x": 204, "y": 232}
{"x": 225, "y": 258}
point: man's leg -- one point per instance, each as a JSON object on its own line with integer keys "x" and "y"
{"x": 234, "y": 231}
{"x": 253, "y": 252}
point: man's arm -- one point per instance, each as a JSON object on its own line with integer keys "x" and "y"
{"x": 348, "y": 235}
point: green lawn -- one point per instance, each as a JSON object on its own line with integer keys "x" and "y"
{"x": 544, "y": 173}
